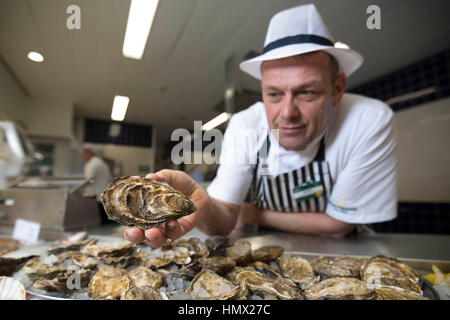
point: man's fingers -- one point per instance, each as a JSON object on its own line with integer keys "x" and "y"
{"x": 154, "y": 176}
{"x": 134, "y": 234}
{"x": 174, "y": 230}
{"x": 155, "y": 237}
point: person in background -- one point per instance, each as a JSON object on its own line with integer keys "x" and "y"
{"x": 96, "y": 170}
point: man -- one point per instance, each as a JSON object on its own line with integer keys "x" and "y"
{"x": 96, "y": 170}
{"x": 333, "y": 164}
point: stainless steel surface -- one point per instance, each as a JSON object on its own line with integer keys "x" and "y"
{"x": 55, "y": 208}
{"x": 413, "y": 246}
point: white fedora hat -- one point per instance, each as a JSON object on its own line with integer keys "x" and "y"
{"x": 296, "y": 31}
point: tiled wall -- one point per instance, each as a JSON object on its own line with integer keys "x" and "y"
{"x": 432, "y": 72}
{"x": 98, "y": 131}
{"x": 429, "y": 76}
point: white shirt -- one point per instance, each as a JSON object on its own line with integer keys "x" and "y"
{"x": 360, "y": 147}
{"x": 98, "y": 170}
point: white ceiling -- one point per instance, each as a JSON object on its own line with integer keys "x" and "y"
{"x": 181, "y": 76}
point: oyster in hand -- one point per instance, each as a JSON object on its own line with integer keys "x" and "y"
{"x": 143, "y": 203}
{"x": 339, "y": 288}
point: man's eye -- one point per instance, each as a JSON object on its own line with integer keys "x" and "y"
{"x": 306, "y": 93}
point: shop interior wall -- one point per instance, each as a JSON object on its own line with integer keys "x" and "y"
{"x": 424, "y": 152}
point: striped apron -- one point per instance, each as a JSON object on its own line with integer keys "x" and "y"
{"x": 302, "y": 190}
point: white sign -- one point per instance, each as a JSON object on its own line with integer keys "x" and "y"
{"x": 26, "y": 231}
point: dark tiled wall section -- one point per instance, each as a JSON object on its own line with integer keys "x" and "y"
{"x": 433, "y": 72}
{"x": 98, "y": 131}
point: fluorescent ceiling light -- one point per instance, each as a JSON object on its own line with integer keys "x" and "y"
{"x": 221, "y": 118}
{"x": 341, "y": 45}
{"x": 119, "y": 108}
{"x": 35, "y": 56}
{"x": 140, "y": 19}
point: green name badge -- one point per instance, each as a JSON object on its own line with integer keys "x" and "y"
{"x": 308, "y": 191}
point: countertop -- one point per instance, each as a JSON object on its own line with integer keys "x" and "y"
{"x": 413, "y": 246}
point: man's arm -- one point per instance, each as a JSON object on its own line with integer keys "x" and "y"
{"x": 219, "y": 218}
{"x": 305, "y": 223}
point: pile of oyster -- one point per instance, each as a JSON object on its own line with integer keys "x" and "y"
{"x": 190, "y": 268}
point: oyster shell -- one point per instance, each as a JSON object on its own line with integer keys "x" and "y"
{"x": 59, "y": 283}
{"x": 84, "y": 261}
{"x": 390, "y": 272}
{"x": 342, "y": 266}
{"x": 267, "y": 253}
{"x": 142, "y": 203}
{"x": 265, "y": 269}
{"x": 157, "y": 262}
{"x": 219, "y": 265}
{"x": 298, "y": 270}
{"x": 121, "y": 262}
{"x": 11, "y": 289}
{"x": 144, "y": 277}
{"x": 77, "y": 246}
{"x": 179, "y": 255}
{"x": 216, "y": 244}
{"x": 339, "y": 288}
{"x": 197, "y": 248}
{"x": 8, "y": 245}
{"x": 208, "y": 285}
{"x": 37, "y": 271}
{"x": 108, "y": 283}
{"x": 280, "y": 287}
{"x": 240, "y": 252}
{"x": 393, "y": 293}
{"x": 142, "y": 293}
{"x": 261, "y": 295}
{"x": 117, "y": 250}
{"x": 10, "y": 265}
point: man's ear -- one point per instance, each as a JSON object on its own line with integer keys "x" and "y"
{"x": 339, "y": 88}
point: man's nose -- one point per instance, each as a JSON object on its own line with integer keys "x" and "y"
{"x": 289, "y": 109}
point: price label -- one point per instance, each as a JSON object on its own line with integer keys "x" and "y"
{"x": 26, "y": 231}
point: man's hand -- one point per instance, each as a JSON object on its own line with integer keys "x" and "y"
{"x": 174, "y": 229}
{"x": 249, "y": 214}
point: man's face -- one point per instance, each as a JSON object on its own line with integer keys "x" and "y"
{"x": 86, "y": 154}
{"x": 299, "y": 97}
